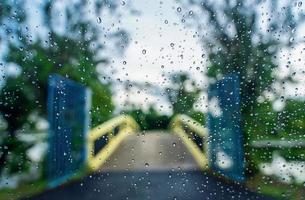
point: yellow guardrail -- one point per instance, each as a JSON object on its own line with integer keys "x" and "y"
{"x": 178, "y": 126}
{"x": 124, "y": 124}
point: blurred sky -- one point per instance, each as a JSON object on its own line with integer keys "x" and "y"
{"x": 159, "y": 45}
{"x": 159, "y": 38}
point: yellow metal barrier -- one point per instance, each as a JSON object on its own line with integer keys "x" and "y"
{"x": 124, "y": 124}
{"x": 178, "y": 126}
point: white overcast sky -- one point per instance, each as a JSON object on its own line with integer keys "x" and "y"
{"x": 154, "y": 30}
{"x": 158, "y": 38}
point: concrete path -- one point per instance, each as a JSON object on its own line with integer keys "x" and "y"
{"x": 152, "y": 166}
{"x": 152, "y": 151}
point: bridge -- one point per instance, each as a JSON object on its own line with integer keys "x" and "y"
{"x": 117, "y": 160}
{"x": 124, "y": 162}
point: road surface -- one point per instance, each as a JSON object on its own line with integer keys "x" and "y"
{"x": 151, "y": 166}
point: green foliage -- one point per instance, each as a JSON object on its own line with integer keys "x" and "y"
{"x": 199, "y": 117}
{"x": 150, "y": 119}
{"x": 18, "y": 161}
{"x": 74, "y": 53}
{"x": 260, "y": 124}
{"x": 236, "y": 43}
{"x": 16, "y": 103}
{"x": 292, "y": 120}
{"x": 267, "y": 124}
{"x": 38, "y": 62}
{"x": 239, "y": 53}
{"x": 182, "y": 94}
{"x": 24, "y": 190}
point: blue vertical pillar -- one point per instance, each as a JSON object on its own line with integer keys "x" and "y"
{"x": 68, "y": 115}
{"x": 226, "y": 152}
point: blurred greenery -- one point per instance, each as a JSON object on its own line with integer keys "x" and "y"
{"x": 23, "y": 191}
{"x": 36, "y": 187}
{"x": 72, "y": 54}
{"x": 150, "y": 119}
{"x": 267, "y": 123}
{"x": 285, "y": 125}
{"x": 274, "y": 188}
{"x": 182, "y": 94}
{"x": 251, "y": 53}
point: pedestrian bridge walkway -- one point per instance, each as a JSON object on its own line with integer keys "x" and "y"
{"x": 118, "y": 145}
{"x": 154, "y": 151}
{"x": 125, "y": 163}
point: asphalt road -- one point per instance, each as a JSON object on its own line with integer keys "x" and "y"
{"x": 157, "y": 185}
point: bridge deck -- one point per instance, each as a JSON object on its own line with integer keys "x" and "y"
{"x": 152, "y": 166}
{"x": 152, "y": 151}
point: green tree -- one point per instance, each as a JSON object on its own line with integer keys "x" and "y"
{"x": 283, "y": 125}
{"x": 287, "y": 123}
{"x": 15, "y": 94}
{"x": 149, "y": 120}
{"x": 73, "y": 53}
{"x": 183, "y": 94}
{"x": 244, "y": 37}
{"x": 16, "y": 104}
{"x": 292, "y": 120}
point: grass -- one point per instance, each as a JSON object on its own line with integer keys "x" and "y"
{"x": 25, "y": 190}
{"x": 272, "y": 187}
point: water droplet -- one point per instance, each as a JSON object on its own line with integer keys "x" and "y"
{"x": 146, "y": 165}
{"x": 124, "y": 62}
{"x": 291, "y": 39}
{"x": 99, "y": 20}
{"x": 300, "y": 3}
{"x": 179, "y": 9}
{"x": 143, "y": 51}
{"x": 166, "y": 21}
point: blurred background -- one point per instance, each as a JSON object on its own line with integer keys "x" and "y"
{"x": 153, "y": 60}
